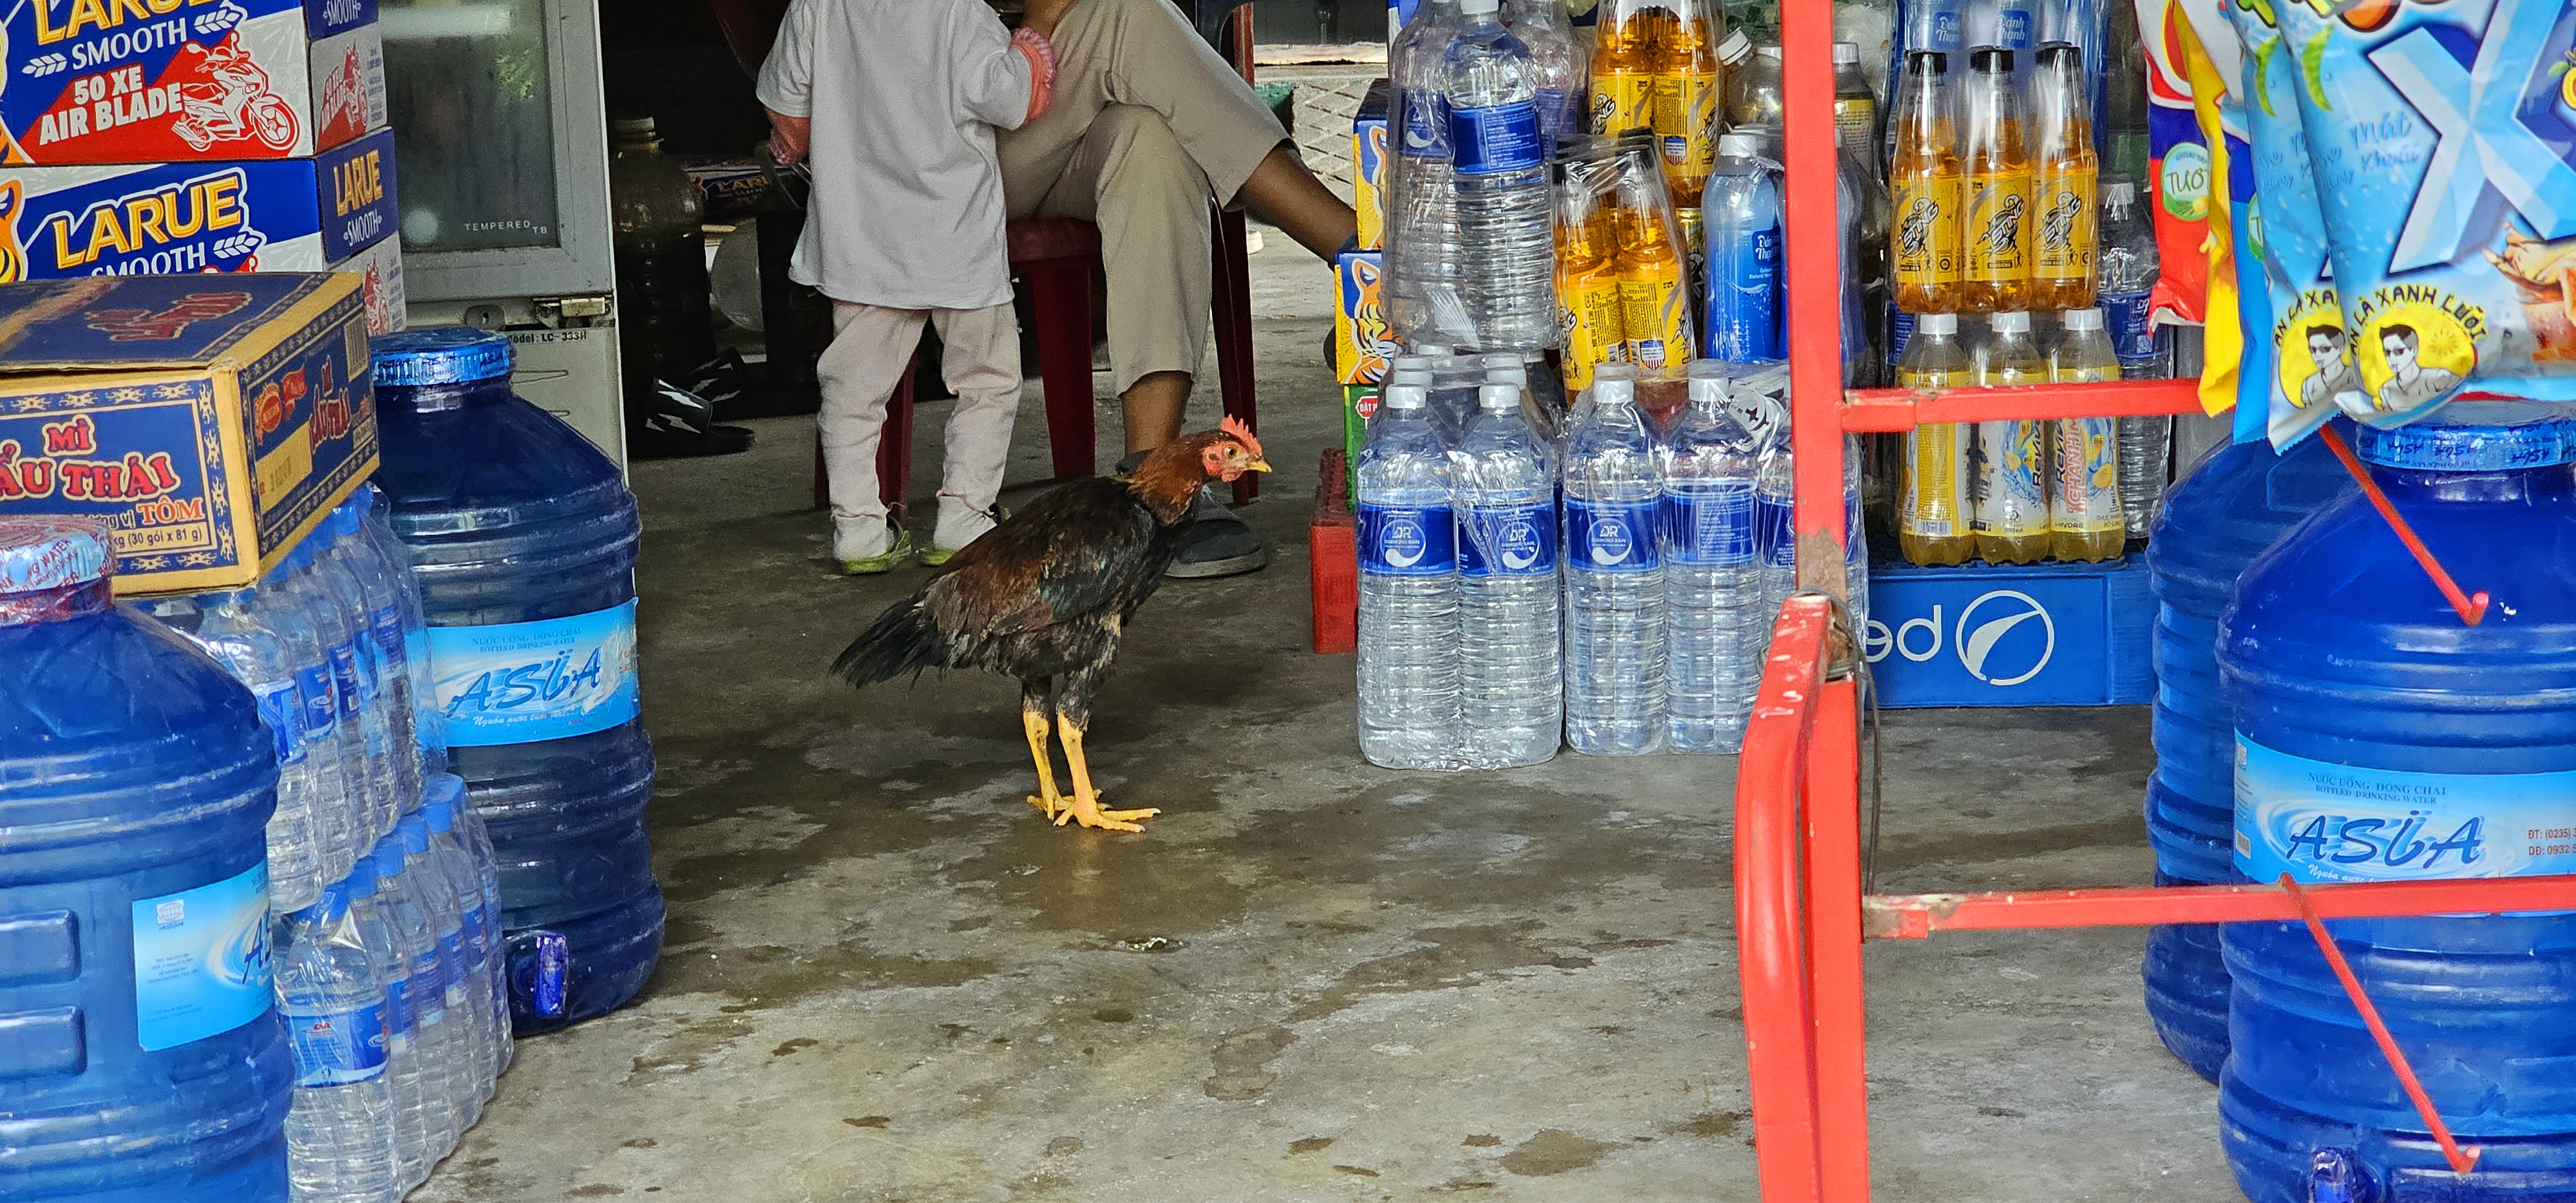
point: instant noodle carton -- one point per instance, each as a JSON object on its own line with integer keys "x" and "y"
{"x": 304, "y": 215}
{"x": 2443, "y": 138}
{"x": 1368, "y": 166}
{"x": 1363, "y": 342}
{"x": 211, "y": 421}
{"x": 150, "y": 81}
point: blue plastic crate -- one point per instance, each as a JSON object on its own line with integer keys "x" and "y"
{"x": 2039, "y": 635}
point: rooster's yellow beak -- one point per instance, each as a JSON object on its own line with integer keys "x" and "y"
{"x": 1259, "y": 465}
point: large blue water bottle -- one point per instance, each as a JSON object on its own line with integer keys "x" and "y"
{"x": 523, "y": 537}
{"x": 2379, "y": 738}
{"x": 2236, "y": 502}
{"x": 141, "y": 1057}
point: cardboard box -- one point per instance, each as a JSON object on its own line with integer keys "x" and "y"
{"x": 379, "y": 269}
{"x": 1359, "y": 404}
{"x": 1362, "y": 340}
{"x": 1368, "y": 165}
{"x": 2037, "y": 635}
{"x": 155, "y": 81}
{"x": 211, "y": 421}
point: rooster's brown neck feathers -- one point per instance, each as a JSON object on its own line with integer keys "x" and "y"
{"x": 1168, "y": 481}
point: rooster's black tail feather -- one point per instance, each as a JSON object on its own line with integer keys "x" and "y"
{"x": 901, "y": 641}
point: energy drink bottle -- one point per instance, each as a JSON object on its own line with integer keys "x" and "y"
{"x": 2065, "y": 170}
{"x": 1587, "y": 292}
{"x": 1623, "y": 64}
{"x": 1654, "y": 305}
{"x": 1855, "y": 102}
{"x": 1932, "y": 510}
{"x": 2084, "y": 518}
{"x": 2010, "y": 489}
{"x": 1995, "y": 269}
{"x": 1928, "y": 190}
{"x": 1688, "y": 86}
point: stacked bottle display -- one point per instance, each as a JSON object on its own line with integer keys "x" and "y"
{"x": 1481, "y": 646}
{"x": 1622, "y": 264}
{"x": 1997, "y": 221}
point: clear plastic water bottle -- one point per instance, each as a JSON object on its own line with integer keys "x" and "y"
{"x": 485, "y": 1012}
{"x": 343, "y": 793}
{"x": 1511, "y": 706}
{"x": 1506, "y": 234}
{"x": 381, "y": 585}
{"x": 438, "y": 899}
{"x": 372, "y": 622}
{"x": 1715, "y": 626}
{"x": 1423, "y": 301}
{"x": 372, "y": 910}
{"x": 1775, "y": 526}
{"x": 1744, "y": 256}
{"x": 376, "y": 526}
{"x": 1564, "y": 72}
{"x": 222, "y": 623}
{"x": 1408, "y": 644}
{"x": 2129, "y": 267}
{"x": 331, "y": 991}
{"x": 342, "y": 634}
{"x": 476, "y": 840}
{"x": 433, "y": 1039}
{"x": 1614, "y": 575}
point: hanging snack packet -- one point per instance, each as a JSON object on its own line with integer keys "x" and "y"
{"x": 2441, "y": 135}
{"x": 2310, "y": 359}
{"x": 2207, "y": 42}
{"x": 2178, "y": 161}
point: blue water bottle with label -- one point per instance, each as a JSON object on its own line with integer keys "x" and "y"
{"x": 2381, "y": 738}
{"x": 1506, "y": 231}
{"x": 523, "y": 538}
{"x": 141, "y": 1056}
{"x": 1614, "y": 575}
{"x": 1408, "y": 553}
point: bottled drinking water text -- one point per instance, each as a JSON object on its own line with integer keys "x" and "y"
{"x": 1715, "y": 624}
{"x": 1408, "y": 624}
{"x": 1511, "y": 700}
{"x": 1506, "y": 238}
{"x": 1614, "y": 575}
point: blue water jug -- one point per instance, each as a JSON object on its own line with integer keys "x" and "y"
{"x": 141, "y": 1057}
{"x": 2224, "y": 511}
{"x": 524, "y": 539}
{"x": 2379, "y": 738}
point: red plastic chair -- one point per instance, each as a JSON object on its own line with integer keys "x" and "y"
{"x": 1059, "y": 256}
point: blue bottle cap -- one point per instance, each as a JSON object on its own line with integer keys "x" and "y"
{"x": 388, "y": 855}
{"x": 40, "y": 552}
{"x": 361, "y": 881}
{"x": 440, "y": 797}
{"x": 2442, "y": 447}
{"x": 413, "y": 831}
{"x": 440, "y": 355}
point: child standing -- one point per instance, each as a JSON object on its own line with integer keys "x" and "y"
{"x": 896, "y": 102}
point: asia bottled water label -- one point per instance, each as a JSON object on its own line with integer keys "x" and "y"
{"x": 1710, "y": 525}
{"x": 428, "y": 987}
{"x": 321, "y": 699}
{"x": 201, "y": 964}
{"x": 283, "y": 710}
{"x": 1398, "y": 540}
{"x": 1507, "y": 540}
{"x": 451, "y": 952}
{"x": 386, "y": 623}
{"x": 2128, "y": 318}
{"x": 1775, "y": 531}
{"x": 345, "y": 681}
{"x": 1612, "y": 536}
{"x": 336, "y": 1048}
{"x": 399, "y": 1020}
{"x": 528, "y": 682}
{"x": 1497, "y": 138}
{"x": 2318, "y": 821}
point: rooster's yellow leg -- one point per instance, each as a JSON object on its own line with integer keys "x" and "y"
{"x": 1033, "y": 719}
{"x": 1084, "y": 806}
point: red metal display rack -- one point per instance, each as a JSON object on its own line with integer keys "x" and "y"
{"x": 1801, "y": 916}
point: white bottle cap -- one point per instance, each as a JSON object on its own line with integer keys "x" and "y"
{"x": 1767, "y": 51}
{"x": 1708, "y": 381}
{"x": 1936, "y": 323}
{"x": 1419, "y": 377}
{"x": 2012, "y": 321}
{"x": 1738, "y": 146}
{"x": 1515, "y": 376}
{"x": 2081, "y": 319}
{"x": 1478, "y": 8}
{"x": 1404, "y": 396}
{"x": 2119, "y": 192}
{"x": 1846, "y": 53}
{"x": 1416, "y": 360}
{"x": 1501, "y": 359}
{"x": 1431, "y": 351}
{"x": 1499, "y": 397}
{"x": 1734, "y": 47}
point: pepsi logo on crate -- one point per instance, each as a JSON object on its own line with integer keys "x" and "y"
{"x": 2042, "y": 635}
{"x": 144, "y": 81}
{"x": 210, "y": 421}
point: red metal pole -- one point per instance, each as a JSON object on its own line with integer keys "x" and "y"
{"x": 2462, "y": 1160}
{"x": 1834, "y": 944}
{"x": 1779, "y": 1032}
{"x": 1896, "y": 410}
{"x": 2472, "y": 607}
{"x": 1814, "y": 300}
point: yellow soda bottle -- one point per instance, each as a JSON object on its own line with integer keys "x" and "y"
{"x": 1927, "y": 190}
{"x": 2065, "y": 172}
{"x": 1623, "y": 65}
{"x": 1932, "y": 513}
{"x": 1688, "y": 87}
{"x": 2011, "y": 485}
{"x": 1996, "y": 262}
{"x": 1588, "y": 297}
{"x": 2084, "y": 516}
{"x": 1653, "y": 301}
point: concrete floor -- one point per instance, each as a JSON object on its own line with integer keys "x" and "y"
{"x": 1310, "y": 979}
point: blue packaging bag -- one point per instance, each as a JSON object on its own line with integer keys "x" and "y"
{"x": 2309, "y": 357}
{"x": 2443, "y": 138}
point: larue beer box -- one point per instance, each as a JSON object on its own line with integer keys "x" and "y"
{"x": 211, "y": 421}
{"x": 297, "y": 215}
{"x": 153, "y": 81}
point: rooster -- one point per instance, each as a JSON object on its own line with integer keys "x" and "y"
{"x": 1044, "y": 596}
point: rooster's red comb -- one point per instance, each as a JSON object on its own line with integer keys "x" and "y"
{"x": 1233, "y": 428}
